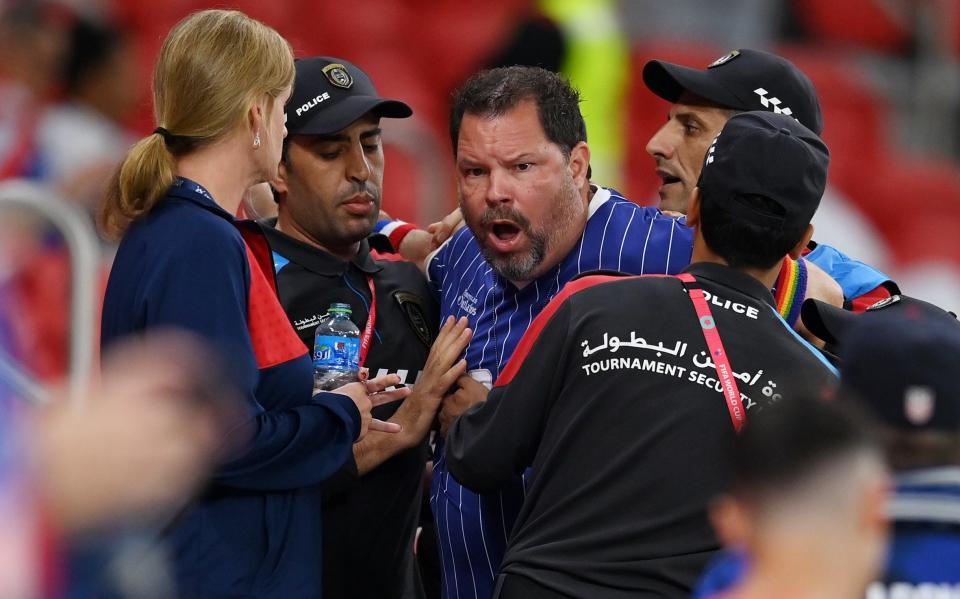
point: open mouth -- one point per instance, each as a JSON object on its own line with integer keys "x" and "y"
{"x": 669, "y": 179}
{"x": 504, "y": 235}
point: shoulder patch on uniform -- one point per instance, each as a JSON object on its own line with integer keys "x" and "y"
{"x": 412, "y": 307}
{"x": 724, "y": 59}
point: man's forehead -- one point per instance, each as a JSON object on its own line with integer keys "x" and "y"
{"x": 517, "y": 127}
{"x": 687, "y": 98}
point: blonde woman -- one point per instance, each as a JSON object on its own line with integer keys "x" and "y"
{"x": 220, "y": 85}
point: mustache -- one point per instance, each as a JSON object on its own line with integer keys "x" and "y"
{"x": 504, "y": 213}
{"x": 357, "y": 189}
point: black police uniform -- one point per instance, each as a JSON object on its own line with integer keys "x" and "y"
{"x": 369, "y": 522}
{"x": 613, "y": 399}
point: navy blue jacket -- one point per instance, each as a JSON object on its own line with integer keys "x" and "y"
{"x": 257, "y": 530}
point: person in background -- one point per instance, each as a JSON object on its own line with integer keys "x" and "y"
{"x": 82, "y": 140}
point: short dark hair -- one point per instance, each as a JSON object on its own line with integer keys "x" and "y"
{"x": 743, "y": 244}
{"x": 496, "y": 91}
{"x": 795, "y": 437}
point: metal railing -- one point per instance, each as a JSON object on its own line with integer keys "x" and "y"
{"x": 84, "y": 249}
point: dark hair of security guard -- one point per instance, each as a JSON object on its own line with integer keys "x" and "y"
{"x": 497, "y": 91}
{"x": 745, "y": 244}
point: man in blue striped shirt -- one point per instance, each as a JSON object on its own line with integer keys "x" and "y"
{"x": 534, "y": 222}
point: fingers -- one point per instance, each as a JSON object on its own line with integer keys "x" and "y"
{"x": 381, "y": 382}
{"x": 453, "y": 374}
{"x": 378, "y": 399}
{"x": 453, "y": 338}
{"x": 468, "y": 384}
{"x": 384, "y": 427}
{"x": 446, "y": 227}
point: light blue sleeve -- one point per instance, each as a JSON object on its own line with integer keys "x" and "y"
{"x": 854, "y": 277}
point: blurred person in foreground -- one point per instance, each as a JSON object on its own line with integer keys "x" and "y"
{"x": 220, "y": 84}
{"x": 328, "y": 194}
{"x": 127, "y": 456}
{"x": 898, "y": 363}
{"x": 623, "y": 393}
{"x": 807, "y": 502}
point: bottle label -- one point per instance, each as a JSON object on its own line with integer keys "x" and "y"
{"x": 342, "y": 353}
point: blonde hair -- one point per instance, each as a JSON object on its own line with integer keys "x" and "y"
{"x": 213, "y": 67}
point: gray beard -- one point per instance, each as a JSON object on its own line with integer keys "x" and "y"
{"x": 519, "y": 267}
{"x": 525, "y": 266}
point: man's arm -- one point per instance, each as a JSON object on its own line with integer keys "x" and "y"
{"x": 414, "y": 243}
{"x": 498, "y": 438}
{"x": 855, "y": 278}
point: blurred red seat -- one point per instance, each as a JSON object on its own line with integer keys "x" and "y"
{"x": 868, "y": 24}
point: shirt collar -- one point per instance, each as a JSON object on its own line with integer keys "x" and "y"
{"x": 733, "y": 278}
{"x": 187, "y": 189}
{"x": 313, "y": 258}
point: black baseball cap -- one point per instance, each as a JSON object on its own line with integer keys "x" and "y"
{"x": 769, "y": 155}
{"x": 834, "y": 325}
{"x": 330, "y": 93}
{"x": 743, "y": 80}
{"x": 903, "y": 366}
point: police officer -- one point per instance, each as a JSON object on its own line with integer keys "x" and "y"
{"x": 623, "y": 408}
{"x": 329, "y": 193}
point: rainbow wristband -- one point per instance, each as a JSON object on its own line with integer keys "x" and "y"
{"x": 791, "y": 289}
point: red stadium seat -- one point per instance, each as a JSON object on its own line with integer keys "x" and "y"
{"x": 869, "y": 24}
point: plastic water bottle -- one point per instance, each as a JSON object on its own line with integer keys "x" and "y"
{"x": 336, "y": 349}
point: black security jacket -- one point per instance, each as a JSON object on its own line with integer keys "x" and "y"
{"x": 369, "y": 522}
{"x": 612, "y": 399}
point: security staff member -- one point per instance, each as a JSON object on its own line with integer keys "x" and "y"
{"x": 328, "y": 192}
{"x": 623, "y": 408}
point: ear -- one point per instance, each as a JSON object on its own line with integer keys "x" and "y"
{"x": 693, "y": 209}
{"x": 731, "y": 521}
{"x": 579, "y": 164}
{"x": 280, "y": 182}
{"x": 797, "y": 250}
{"x": 874, "y": 506}
{"x": 257, "y": 114}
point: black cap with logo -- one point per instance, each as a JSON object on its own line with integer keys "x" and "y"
{"x": 769, "y": 155}
{"x": 330, "y": 93}
{"x": 742, "y": 80}
{"x": 904, "y": 367}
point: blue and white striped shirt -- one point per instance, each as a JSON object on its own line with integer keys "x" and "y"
{"x": 472, "y": 530}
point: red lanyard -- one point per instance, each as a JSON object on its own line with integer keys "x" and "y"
{"x": 371, "y": 321}
{"x": 717, "y": 353}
